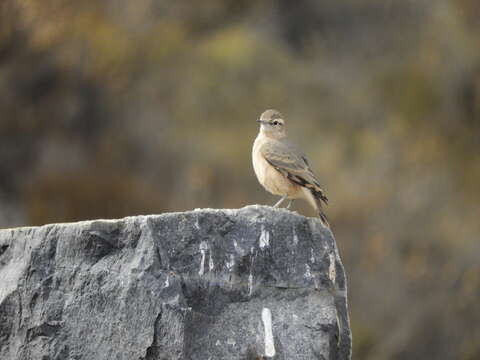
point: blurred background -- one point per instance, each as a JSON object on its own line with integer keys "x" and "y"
{"x": 111, "y": 108}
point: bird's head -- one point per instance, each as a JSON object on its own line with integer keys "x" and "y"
{"x": 272, "y": 124}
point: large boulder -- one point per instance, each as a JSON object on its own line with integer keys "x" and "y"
{"x": 253, "y": 283}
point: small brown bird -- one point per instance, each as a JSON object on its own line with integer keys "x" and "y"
{"x": 281, "y": 168}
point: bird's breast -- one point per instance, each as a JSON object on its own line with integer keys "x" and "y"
{"x": 260, "y": 165}
{"x": 271, "y": 179}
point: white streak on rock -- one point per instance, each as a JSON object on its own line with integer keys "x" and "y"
{"x": 250, "y": 284}
{"x": 267, "y": 324}
{"x": 167, "y": 282}
{"x": 264, "y": 238}
{"x": 295, "y": 237}
{"x": 203, "y": 249}
{"x": 231, "y": 263}
{"x": 210, "y": 261}
{"x": 308, "y": 272}
{"x": 312, "y": 258}
{"x": 332, "y": 272}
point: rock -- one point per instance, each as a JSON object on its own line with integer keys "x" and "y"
{"x": 253, "y": 283}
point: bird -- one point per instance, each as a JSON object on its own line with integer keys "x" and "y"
{"x": 281, "y": 168}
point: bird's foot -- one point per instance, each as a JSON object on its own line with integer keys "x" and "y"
{"x": 280, "y": 201}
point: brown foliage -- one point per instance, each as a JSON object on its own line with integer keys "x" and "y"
{"x": 111, "y": 109}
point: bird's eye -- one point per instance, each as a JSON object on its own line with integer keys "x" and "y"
{"x": 275, "y": 122}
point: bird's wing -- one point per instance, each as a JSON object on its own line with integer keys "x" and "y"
{"x": 292, "y": 164}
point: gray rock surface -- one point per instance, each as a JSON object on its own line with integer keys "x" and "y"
{"x": 253, "y": 283}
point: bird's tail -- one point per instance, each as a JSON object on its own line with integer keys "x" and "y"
{"x": 319, "y": 197}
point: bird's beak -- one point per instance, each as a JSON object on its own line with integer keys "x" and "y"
{"x": 261, "y": 121}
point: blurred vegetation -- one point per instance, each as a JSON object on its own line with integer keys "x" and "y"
{"x": 115, "y": 108}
